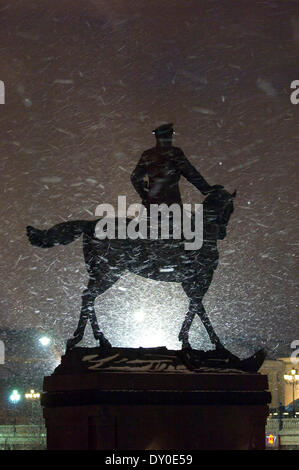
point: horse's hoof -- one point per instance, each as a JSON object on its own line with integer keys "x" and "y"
{"x": 104, "y": 343}
{"x": 186, "y": 346}
{"x": 71, "y": 343}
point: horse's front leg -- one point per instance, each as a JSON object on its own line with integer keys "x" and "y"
{"x": 195, "y": 290}
{"x": 184, "y": 332}
{"x": 208, "y": 326}
{"x": 190, "y": 288}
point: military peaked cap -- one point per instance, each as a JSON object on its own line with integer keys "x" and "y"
{"x": 164, "y": 129}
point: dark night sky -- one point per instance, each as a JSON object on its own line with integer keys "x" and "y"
{"x": 86, "y": 82}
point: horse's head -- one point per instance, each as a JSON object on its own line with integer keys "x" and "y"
{"x": 219, "y": 206}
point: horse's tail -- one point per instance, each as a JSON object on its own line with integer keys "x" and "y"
{"x": 61, "y": 234}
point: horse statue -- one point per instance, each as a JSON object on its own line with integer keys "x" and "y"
{"x": 160, "y": 260}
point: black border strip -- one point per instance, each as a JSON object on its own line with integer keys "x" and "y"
{"x": 100, "y": 397}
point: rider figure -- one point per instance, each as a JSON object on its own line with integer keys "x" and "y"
{"x": 163, "y": 165}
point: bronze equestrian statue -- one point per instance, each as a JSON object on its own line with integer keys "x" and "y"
{"x": 106, "y": 260}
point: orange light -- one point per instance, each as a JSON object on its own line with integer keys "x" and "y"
{"x": 270, "y": 439}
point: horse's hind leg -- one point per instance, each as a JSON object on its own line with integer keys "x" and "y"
{"x": 95, "y": 288}
{"x": 97, "y": 333}
{"x": 88, "y": 299}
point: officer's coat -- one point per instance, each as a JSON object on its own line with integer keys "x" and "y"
{"x": 163, "y": 167}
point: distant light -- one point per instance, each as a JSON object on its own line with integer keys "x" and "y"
{"x": 15, "y": 397}
{"x": 32, "y": 395}
{"x": 44, "y": 341}
{"x": 249, "y": 202}
{"x": 271, "y": 439}
{"x": 292, "y": 378}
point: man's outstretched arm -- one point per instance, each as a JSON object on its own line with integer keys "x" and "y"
{"x": 191, "y": 174}
{"x": 137, "y": 178}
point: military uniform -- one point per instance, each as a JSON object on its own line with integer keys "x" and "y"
{"x": 163, "y": 166}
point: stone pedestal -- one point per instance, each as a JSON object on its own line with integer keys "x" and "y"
{"x": 149, "y": 400}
